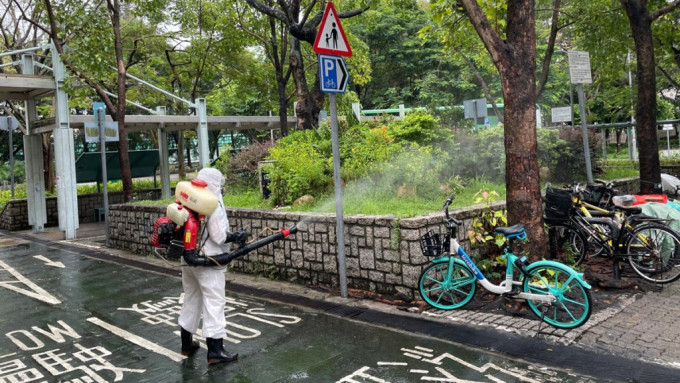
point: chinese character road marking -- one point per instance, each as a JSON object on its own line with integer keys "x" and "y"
{"x": 153, "y": 347}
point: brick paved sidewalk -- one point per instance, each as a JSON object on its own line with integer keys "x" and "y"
{"x": 647, "y": 329}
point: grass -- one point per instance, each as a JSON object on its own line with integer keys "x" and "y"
{"x": 355, "y": 201}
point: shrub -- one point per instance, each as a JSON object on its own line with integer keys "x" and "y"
{"x": 241, "y": 168}
{"x": 421, "y": 128}
{"x": 300, "y": 167}
{"x": 363, "y": 148}
{"x": 482, "y": 154}
{"x": 418, "y": 170}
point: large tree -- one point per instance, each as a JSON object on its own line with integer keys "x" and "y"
{"x": 513, "y": 51}
{"x": 640, "y": 19}
{"x": 303, "y": 28}
{"x": 77, "y": 25}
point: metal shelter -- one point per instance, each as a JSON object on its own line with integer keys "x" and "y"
{"x": 29, "y": 87}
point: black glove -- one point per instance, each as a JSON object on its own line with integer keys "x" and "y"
{"x": 239, "y": 236}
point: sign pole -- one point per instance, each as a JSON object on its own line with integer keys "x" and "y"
{"x": 579, "y": 73}
{"x": 584, "y": 133}
{"x": 11, "y": 154}
{"x": 102, "y": 149}
{"x": 337, "y": 180}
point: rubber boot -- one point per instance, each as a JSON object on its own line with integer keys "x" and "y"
{"x": 216, "y": 353}
{"x": 189, "y": 345}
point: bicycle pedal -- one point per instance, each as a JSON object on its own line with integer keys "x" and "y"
{"x": 512, "y": 294}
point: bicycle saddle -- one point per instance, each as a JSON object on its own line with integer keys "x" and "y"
{"x": 510, "y": 230}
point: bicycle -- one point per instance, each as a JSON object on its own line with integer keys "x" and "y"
{"x": 648, "y": 244}
{"x": 556, "y": 293}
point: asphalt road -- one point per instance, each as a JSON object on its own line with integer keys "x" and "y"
{"x": 68, "y": 317}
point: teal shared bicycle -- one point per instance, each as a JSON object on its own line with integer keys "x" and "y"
{"x": 555, "y": 292}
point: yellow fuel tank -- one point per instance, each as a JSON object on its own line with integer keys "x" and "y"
{"x": 195, "y": 195}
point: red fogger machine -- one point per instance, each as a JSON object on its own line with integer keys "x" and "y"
{"x": 180, "y": 229}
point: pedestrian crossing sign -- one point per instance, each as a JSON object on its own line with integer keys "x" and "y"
{"x": 331, "y": 39}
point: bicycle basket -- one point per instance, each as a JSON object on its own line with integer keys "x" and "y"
{"x": 558, "y": 203}
{"x": 593, "y": 194}
{"x": 431, "y": 244}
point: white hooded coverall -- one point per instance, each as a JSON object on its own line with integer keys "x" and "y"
{"x": 204, "y": 286}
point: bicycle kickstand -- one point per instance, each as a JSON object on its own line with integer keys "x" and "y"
{"x": 544, "y": 309}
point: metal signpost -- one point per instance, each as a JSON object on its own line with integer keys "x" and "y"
{"x": 102, "y": 131}
{"x": 10, "y": 123}
{"x": 333, "y": 75}
{"x": 668, "y": 128}
{"x": 474, "y": 109}
{"x": 579, "y": 73}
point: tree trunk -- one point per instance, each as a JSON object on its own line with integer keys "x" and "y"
{"x": 305, "y": 109}
{"x": 283, "y": 101}
{"x": 645, "y": 112}
{"x": 515, "y": 58}
{"x": 179, "y": 140}
{"x": 123, "y": 155}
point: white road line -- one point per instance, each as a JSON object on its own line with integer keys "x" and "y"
{"x": 392, "y": 364}
{"x": 139, "y": 341}
{"x": 37, "y": 293}
{"x": 49, "y": 262}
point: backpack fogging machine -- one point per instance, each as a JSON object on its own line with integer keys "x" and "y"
{"x": 179, "y": 231}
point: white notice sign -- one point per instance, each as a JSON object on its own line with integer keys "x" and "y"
{"x": 579, "y": 67}
{"x": 110, "y": 131}
{"x": 561, "y": 114}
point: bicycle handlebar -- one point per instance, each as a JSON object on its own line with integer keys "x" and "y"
{"x": 446, "y": 211}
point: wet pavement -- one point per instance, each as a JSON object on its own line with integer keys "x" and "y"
{"x": 74, "y": 313}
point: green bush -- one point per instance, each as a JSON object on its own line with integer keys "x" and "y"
{"x": 363, "y": 148}
{"x": 301, "y": 167}
{"x": 421, "y": 128}
{"x": 482, "y": 154}
{"x": 386, "y": 157}
{"x": 414, "y": 171}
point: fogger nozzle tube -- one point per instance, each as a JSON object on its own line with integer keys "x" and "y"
{"x": 192, "y": 259}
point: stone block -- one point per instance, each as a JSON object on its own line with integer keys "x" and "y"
{"x": 367, "y": 259}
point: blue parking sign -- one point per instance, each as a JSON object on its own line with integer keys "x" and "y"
{"x": 333, "y": 74}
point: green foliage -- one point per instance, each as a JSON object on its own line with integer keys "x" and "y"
{"x": 421, "y": 128}
{"x": 482, "y": 234}
{"x": 382, "y": 158}
{"x": 301, "y": 166}
{"x": 6, "y": 174}
{"x": 241, "y": 169}
{"x": 363, "y": 148}
{"x": 482, "y": 154}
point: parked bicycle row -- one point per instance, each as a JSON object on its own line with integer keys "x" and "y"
{"x": 582, "y": 222}
{"x": 592, "y": 221}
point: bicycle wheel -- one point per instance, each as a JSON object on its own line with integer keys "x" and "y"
{"x": 572, "y": 306}
{"x": 570, "y": 244}
{"x": 445, "y": 294}
{"x": 654, "y": 252}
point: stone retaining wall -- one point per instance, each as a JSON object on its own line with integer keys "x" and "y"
{"x": 15, "y": 214}
{"x": 383, "y": 253}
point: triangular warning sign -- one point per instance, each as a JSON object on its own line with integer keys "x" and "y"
{"x": 331, "y": 39}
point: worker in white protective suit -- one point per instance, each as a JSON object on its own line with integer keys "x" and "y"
{"x": 204, "y": 286}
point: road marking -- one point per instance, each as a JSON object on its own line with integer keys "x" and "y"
{"x": 392, "y": 364}
{"x": 49, "y": 262}
{"x": 138, "y": 340}
{"x": 37, "y": 293}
